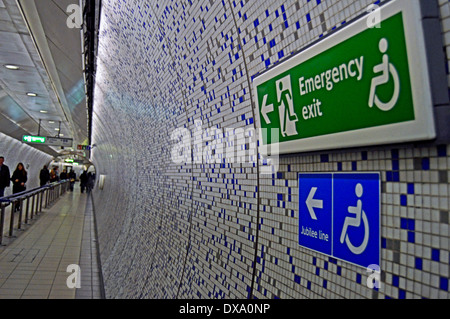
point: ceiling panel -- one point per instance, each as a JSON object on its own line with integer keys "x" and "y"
{"x": 15, "y": 58}
{"x": 65, "y": 106}
{"x": 68, "y": 40}
{"x": 11, "y": 42}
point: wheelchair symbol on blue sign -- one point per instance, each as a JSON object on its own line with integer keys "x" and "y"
{"x": 356, "y": 222}
{"x": 347, "y": 207}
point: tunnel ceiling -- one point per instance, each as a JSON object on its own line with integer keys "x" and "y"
{"x": 35, "y": 36}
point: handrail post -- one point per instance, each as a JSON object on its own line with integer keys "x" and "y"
{"x": 2, "y": 222}
{"x": 11, "y": 222}
{"x": 37, "y": 204}
{"x": 19, "y": 225}
{"x": 27, "y": 209}
{"x": 32, "y": 206}
{"x": 47, "y": 192}
{"x": 41, "y": 195}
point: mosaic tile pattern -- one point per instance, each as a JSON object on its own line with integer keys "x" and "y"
{"x": 216, "y": 229}
{"x": 16, "y": 152}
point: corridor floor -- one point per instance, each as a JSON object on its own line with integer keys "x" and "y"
{"x": 35, "y": 264}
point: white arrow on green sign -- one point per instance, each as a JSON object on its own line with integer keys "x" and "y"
{"x": 360, "y": 86}
{"x": 33, "y": 139}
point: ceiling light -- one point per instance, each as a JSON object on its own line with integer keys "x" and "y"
{"x": 61, "y": 134}
{"x": 43, "y": 111}
{"x": 56, "y": 129}
{"x": 51, "y": 122}
{"x": 11, "y": 67}
{"x": 31, "y": 94}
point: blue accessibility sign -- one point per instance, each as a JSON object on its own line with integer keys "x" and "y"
{"x": 339, "y": 215}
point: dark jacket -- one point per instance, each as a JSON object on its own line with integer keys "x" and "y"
{"x": 72, "y": 175}
{"x": 4, "y": 176}
{"x": 83, "y": 179}
{"x": 44, "y": 176}
{"x": 17, "y": 187}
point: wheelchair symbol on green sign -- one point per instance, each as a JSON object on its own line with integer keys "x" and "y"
{"x": 387, "y": 69}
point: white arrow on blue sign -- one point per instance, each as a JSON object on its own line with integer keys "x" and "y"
{"x": 339, "y": 215}
{"x": 312, "y": 203}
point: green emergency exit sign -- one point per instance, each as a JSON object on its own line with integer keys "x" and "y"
{"x": 33, "y": 139}
{"x": 360, "y": 86}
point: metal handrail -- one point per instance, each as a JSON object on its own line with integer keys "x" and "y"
{"x": 52, "y": 192}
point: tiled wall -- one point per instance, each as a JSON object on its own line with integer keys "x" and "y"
{"x": 223, "y": 230}
{"x": 16, "y": 152}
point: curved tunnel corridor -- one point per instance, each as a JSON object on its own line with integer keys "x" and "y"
{"x": 195, "y": 197}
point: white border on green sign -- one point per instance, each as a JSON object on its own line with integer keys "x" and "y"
{"x": 422, "y": 128}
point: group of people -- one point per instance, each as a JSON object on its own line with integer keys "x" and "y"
{"x": 87, "y": 181}
{"x": 20, "y": 177}
{"x": 46, "y": 176}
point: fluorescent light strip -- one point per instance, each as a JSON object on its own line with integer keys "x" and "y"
{"x": 11, "y": 67}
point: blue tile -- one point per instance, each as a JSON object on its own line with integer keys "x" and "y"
{"x": 404, "y": 223}
{"x": 395, "y": 165}
{"x": 395, "y": 280}
{"x": 324, "y": 158}
{"x": 364, "y": 155}
{"x": 389, "y": 176}
{"x": 418, "y": 263}
{"x": 410, "y": 188}
{"x": 435, "y": 254}
{"x": 411, "y": 224}
{"x": 425, "y": 164}
{"x": 442, "y": 150}
{"x": 394, "y": 154}
{"x": 403, "y": 200}
{"x": 411, "y": 237}
{"x": 443, "y": 283}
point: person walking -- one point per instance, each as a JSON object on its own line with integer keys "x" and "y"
{"x": 90, "y": 182}
{"x": 4, "y": 176}
{"x": 72, "y": 177}
{"x": 44, "y": 176}
{"x": 63, "y": 175}
{"x": 19, "y": 178}
{"x": 83, "y": 180}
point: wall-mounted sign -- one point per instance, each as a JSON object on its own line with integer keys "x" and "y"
{"x": 360, "y": 86}
{"x": 339, "y": 215}
{"x": 33, "y": 139}
{"x": 84, "y": 147}
{"x": 56, "y": 141}
{"x": 52, "y": 141}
